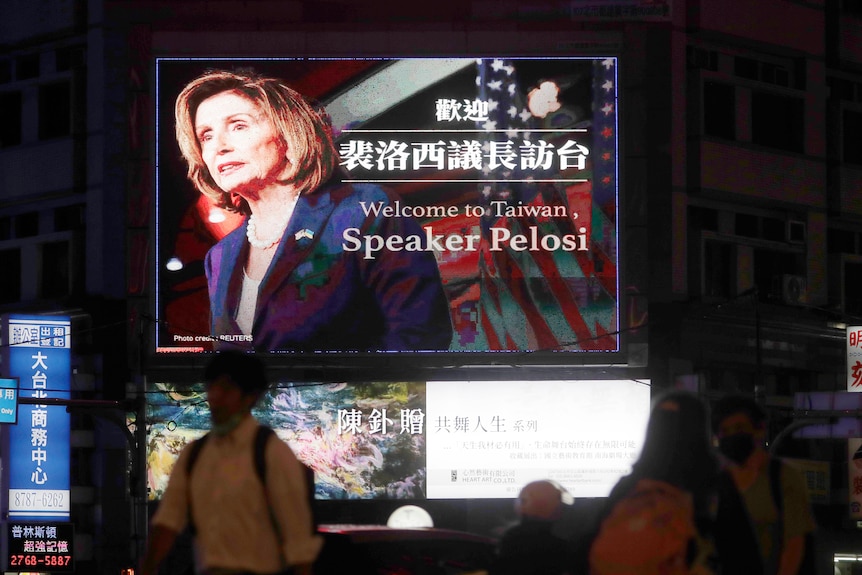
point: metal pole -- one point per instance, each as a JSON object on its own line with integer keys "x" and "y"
{"x": 140, "y": 487}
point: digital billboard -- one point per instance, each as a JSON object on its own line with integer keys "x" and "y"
{"x": 369, "y": 206}
{"x": 430, "y": 440}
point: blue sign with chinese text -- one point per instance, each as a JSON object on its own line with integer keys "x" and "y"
{"x": 38, "y": 354}
{"x": 8, "y": 400}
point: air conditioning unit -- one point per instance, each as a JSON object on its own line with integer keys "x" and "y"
{"x": 796, "y": 232}
{"x": 794, "y": 289}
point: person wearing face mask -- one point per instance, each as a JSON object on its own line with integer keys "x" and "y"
{"x": 781, "y": 525}
{"x": 677, "y": 451}
{"x": 222, "y": 497}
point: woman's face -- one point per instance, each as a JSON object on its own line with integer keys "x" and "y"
{"x": 239, "y": 145}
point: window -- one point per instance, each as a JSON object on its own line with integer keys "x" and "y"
{"x": 55, "y": 269}
{"x": 746, "y": 225}
{"x": 774, "y": 74}
{"x": 68, "y": 218}
{"x": 853, "y": 7}
{"x": 746, "y": 68}
{"x": 852, "y": 293}
{"x": 718, "y": 261}
{"x": 27, "y": 225}
{"x": 55, "y": 110}
{"x": 27, "y": 67}
{"x": 10, "y": 119}
{"x": 851, "y": 133}
{"x": 700, "y": 218}
{"x": 701, "y": 58}
{"x": 69, "y": 57}
{"x": 775, "y": 229}
{"x": 841, "y": 242}
{"x": 770, "y": 228}
{"x": 771, "y": 72}
{"x": 10, "y": 263}
{"x": 842, "y": 89}
{"x": 5, "y": 71}
{"x": 719, "y": 110}
{"x": 777, "y": 121}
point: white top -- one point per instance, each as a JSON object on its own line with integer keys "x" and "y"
{"x": 247, "y": 303}
{"x": 233, "y": 526}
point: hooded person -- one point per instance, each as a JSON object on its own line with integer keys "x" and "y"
{"x": 535, "y": 546}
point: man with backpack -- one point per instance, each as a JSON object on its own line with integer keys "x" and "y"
{"x": 774, "y": 492}
{"x": 243, "y": 492}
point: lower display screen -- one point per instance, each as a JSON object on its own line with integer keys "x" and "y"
{"x": 431, "y": 440}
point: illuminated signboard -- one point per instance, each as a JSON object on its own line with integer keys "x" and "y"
{"x": 854, "y": 358}
{"x": 434, "y": 440}
{"x": 8, "y": 400}
{"x": 38, "y": 355}
{"x": 39, "y": 547}
{"x": 487, "y": 439}
{"x": 472, "y": 210}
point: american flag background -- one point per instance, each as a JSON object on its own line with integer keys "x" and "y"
{"x": 541, "y": 299}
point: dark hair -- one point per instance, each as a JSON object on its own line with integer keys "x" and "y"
{"x": 737, "y": 403}
{"x": 677, "y": 446}
{"x": 247, "y": 371}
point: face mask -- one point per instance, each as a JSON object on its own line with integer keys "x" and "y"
{"x": 737, "y": 447}
{"x": 229, "y": 425}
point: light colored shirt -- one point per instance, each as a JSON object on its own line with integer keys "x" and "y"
{"x": 247, "y": 303}
{"x": 231, "y": 519}
{"x": 798, "y": 519}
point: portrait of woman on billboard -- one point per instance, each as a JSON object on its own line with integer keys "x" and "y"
{"x": 282, "y": 280}
{"x": 388, "y": 205}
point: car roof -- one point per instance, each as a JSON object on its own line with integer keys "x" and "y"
{"x": 370, "y": 533}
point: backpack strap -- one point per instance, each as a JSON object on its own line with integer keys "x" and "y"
{"x": 775, "y": 489}
{"x": 262, "y": 435}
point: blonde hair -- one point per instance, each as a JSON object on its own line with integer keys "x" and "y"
{"x": 305, "y": 131}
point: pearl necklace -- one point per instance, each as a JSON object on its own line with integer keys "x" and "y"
{"x": 251, "y": 232}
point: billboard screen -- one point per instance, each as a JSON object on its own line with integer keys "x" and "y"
{"x": 413, "y": 205}
{"x": 431, "y": 440}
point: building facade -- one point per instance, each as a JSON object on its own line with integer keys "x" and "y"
{"x": 740, "y": 189}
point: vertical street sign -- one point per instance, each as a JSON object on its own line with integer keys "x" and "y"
{"x": 854, "y": 358}
{"x": 37, "y": 352}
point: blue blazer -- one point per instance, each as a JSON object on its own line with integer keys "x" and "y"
{"x": 318, "y": 296}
